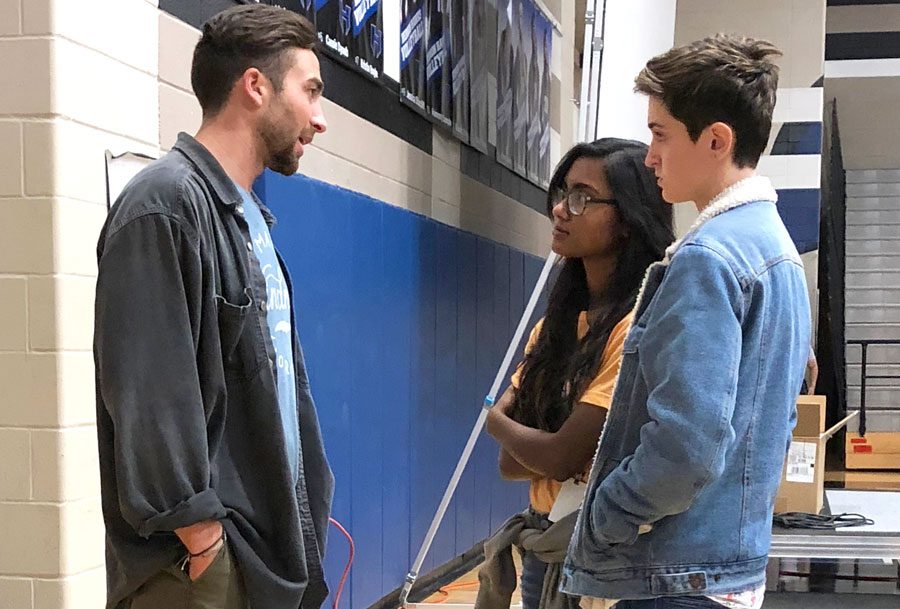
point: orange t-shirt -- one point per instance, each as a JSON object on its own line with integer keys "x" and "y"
{"x": 599, "y": 393}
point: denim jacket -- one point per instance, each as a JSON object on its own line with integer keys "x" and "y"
{"x": 680, "y": 497}
{"x": 187, "y": 417}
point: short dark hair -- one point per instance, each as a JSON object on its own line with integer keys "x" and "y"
{"x": 245, "y": 36}
{"x": 722, "y": 78}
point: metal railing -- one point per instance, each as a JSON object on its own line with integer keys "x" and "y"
{"x": 865, "y": 376}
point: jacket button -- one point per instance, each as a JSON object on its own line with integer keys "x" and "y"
{"x": 262, "y": 305}
{"x": 695, "y": 580}
{"x": 250, "y": 245}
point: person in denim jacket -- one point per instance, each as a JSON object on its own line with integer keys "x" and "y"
{"x": 679, "y": 502}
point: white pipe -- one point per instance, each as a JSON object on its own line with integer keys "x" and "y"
{"x": 587, "y": 56}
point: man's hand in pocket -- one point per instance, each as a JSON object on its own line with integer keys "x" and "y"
{"x": 197, "y": 565}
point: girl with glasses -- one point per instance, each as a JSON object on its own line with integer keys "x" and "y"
{"x": 609, "y": 224}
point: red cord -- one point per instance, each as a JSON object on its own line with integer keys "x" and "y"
{"x": 340, "y": 588}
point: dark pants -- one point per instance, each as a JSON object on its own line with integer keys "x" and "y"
{"x": 219, "y": 587}
{"x": 671, "y": 602}
{"x": 532, "y": 583}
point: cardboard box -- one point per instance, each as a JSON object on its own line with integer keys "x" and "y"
{"x": 877, "y": 450}
{"x": 803, "y": 478}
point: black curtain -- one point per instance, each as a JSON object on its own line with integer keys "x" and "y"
{"x": 830, "y": 348}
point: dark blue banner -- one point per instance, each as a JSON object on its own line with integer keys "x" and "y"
{"x": 459, "y": 57}
{"x": 367, "y": 46}
{"x": 307, "y": 8}
{"x": 412, "y": 53}
{"x": 352, "y": 30}
{"x": 482, "y": 53}
{"x": 438, "y": 92}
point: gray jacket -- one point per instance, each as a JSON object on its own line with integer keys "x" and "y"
{"x": 497, "y": 577}
{"x": 187, "y": 417}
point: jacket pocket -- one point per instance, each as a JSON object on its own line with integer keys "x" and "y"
{"x": 603, "y": 468}
{"x": 232, "y": 320}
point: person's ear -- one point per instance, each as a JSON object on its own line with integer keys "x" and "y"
{"x": 253, "y": 86}
{"x": 721, "y": 140}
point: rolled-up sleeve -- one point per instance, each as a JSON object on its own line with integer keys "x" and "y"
{"x": 148, "y": 307}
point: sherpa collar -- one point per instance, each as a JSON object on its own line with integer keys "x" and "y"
{"x": 748, "y": 190}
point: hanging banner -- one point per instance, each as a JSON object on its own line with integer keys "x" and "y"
{"x": 459, "y": 77}
{"x": 333, "y": 23}
{"x": 523, "y": 17}
{"x": 506, "y": 68}
{"x": 481, "y": 48}
{"x": 352, "y": 30}
{"x": 449, "y": 50}
{"x": 367, "y": 41}
{"x": 535, "y": 97}
{"x": 412, "y": 53}
{"x": 307, "y": 8}
{"x": 438, "y": 89}
{"x": 544, "y": 152}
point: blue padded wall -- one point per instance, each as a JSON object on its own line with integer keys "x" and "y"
{"x": 799, "y": 207}
{"x": 404, "y": 322}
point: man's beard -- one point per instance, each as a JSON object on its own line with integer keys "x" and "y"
{"x": 278, "y": 144}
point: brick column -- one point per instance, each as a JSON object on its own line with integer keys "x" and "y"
{"x": 81, "y": 78}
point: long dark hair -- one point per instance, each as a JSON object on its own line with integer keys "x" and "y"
{"x": 560, "y": 366}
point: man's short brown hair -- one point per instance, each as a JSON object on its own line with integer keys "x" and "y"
{"x": 723, "y": 78}
{"x": 247, "y": 36}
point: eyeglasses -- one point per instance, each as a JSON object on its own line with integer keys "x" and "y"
{"x": 576, "y": 201}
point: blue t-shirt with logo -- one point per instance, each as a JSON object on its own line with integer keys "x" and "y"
{"x": 278, "y": 315}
